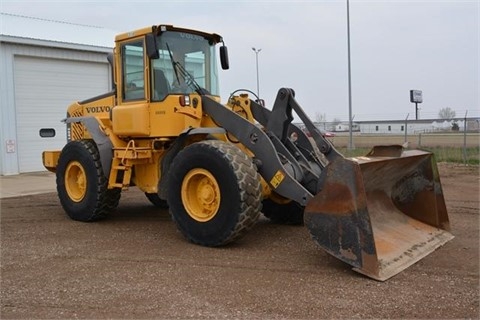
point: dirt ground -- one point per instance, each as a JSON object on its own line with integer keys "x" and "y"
{"x": 136, "y": 265}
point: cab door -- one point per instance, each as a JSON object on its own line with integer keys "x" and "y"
{"x": 132, "y": 116}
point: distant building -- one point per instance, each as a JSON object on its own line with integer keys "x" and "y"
{"x": 412, "y": 127}
{"x": 346, "y": 127}
{"x": 399, "y": 126}
{"x": 393, "y": 126}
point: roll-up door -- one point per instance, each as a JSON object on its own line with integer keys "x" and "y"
{"x": 43, "y": 90}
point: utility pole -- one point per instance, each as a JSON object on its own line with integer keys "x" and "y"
{"x": 350, "y": 119}
{"x": 406, "y": 128}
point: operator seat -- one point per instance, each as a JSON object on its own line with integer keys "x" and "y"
{"x": 161, "y": 88}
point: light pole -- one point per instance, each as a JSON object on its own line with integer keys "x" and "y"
{"x": 406, "y": 128}
{"x": 256, "y": 59}
{"x": 350, "y": 119}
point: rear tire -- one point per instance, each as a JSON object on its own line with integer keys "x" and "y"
{"x": 81, "y": 183}
{"x": 214, "y": 193}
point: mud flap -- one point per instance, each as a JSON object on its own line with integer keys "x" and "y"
{"x": 380, "y": 213}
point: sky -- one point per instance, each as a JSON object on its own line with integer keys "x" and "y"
{"x": 395, "y": 46}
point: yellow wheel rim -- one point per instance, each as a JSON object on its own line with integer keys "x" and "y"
{"x": 75, "y": 181}
{"x": 201, "y": 195}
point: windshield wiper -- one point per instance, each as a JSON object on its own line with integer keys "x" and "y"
{"x": 173, "y": 63}
{"x": 189, "y": 79}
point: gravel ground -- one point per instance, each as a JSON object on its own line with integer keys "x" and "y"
{"x": 136, "y": 265}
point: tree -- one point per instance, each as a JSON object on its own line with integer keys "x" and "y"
{"x": 320, "y": 117}
{"x": 446, "y": 113}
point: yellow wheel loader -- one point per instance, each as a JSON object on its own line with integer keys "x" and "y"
{"x": 162, "y": 129}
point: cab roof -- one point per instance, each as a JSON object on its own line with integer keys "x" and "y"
{"x": 165, "y": 27}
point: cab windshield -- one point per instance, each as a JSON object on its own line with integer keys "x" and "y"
{"x": 186, "y": 64}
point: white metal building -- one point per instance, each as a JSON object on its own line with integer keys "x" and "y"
{"x": 45, "y": 66}
{"x": 412, "y": 126}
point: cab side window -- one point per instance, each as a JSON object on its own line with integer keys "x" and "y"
{"x": 133, "y": 71}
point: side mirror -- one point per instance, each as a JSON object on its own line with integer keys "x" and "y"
{"x": 224, "y": 57}
{"x": 152, "y": 49}
{"x": 47, "y": 132}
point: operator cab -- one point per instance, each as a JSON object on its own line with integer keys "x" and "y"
{"x": 180, "y": 61}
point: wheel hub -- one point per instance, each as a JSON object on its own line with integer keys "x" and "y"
{"x": 201, "y": 195}
{"x": 75, "y": 181}
{"x": 207, "y": 195}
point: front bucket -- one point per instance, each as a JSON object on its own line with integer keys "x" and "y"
{"x": 380, "y": 213}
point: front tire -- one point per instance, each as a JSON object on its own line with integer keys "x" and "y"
{"x": 81, "y": 183}
{"x": 214, "y": 193}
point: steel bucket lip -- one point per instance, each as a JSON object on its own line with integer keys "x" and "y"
{"x": 399, "y": 239}
{"x": 383, "y": 273}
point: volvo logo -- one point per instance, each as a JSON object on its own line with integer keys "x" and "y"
{"x": 99, "y": 109}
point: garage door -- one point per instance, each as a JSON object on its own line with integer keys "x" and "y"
{"x": 43, "y": 90}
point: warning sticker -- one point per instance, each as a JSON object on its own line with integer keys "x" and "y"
{"x": 277, "y": 179}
